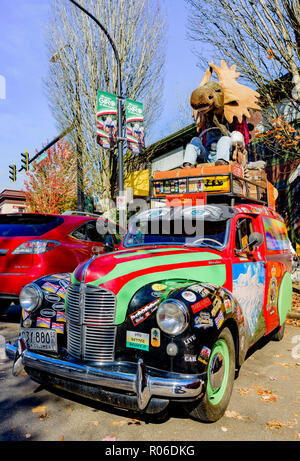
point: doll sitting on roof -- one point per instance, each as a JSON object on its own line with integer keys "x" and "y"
{"x": 221, "y": 111}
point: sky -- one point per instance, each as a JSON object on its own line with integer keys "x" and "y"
{"x": 26, "y": 122}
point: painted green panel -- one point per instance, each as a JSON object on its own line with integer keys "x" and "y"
{"x": 285, "y": 297}
{"x": 210, "y": 274}
{"x": 127, "y": 267}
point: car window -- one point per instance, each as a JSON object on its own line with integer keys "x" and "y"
{"x": 276, "y": 234}
{"x": 88, "y": 233}
{"x": 33, "y": 225}
{"x": 244, "y": 227}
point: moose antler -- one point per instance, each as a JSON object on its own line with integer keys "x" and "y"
{"x": 238, "y": 98}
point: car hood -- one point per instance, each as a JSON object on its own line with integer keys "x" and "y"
{"x": 124, "y": 272}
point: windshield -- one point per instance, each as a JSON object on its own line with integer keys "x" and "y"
{"x": 177, "y": 230}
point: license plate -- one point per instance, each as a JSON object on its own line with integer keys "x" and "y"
{"x": 43, "y": 339}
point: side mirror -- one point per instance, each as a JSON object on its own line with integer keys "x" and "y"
{"x": 255, "y": 240}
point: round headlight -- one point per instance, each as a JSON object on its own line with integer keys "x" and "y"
{"x": 31, "y": 297}
{"x": 172, "y": 317}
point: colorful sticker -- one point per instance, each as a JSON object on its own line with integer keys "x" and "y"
{"x": 200, "y": 305}
{"x": 24, "y": 314}
{"x": 61, "y": 292}
{"x": 189, "y": 296}
{"x": 142, "y": 314}
{"x": 58, "y": 327}
{"x": 50, "y": 287}
{"x": 137, "y": 340}
{"x": 219, "y": 320}
{"x": 155, "y": 337}
{"x": 43, "y": 322}
{"x": 227, "y": 305}
{"x": 272, "y": 291}
{"x": 217, "y": 303}
{"x": 204, "y": 355}
{"x": 61, "y": 316}
{"x": 203, "y": 320}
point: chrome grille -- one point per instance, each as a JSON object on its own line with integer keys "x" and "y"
{"x": 90, "y": 317}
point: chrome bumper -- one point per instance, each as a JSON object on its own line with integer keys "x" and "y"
{"x": 136, "y": 378}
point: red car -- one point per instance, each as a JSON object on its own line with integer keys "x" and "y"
{"x": 34, "y": 245}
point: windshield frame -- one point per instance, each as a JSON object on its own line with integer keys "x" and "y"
{"x": 183, "y": 245}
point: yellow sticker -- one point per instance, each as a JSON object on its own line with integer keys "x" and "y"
{"x": 159, "y": 287}
{"x": 155, "y": 337}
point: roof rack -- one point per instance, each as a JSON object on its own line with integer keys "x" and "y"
{"x": 218, "y": 188}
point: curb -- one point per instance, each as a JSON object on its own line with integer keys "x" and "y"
{"x": 293, "y": 315}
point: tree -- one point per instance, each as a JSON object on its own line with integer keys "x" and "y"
{"x": 51, "y": 186}
{"x": 263, "y": 38}
{"x": 83, "y": 62}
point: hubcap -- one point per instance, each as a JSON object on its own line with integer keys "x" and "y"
{"x": 218, "y": 370}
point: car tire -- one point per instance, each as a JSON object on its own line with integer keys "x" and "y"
{"x": 279, "y": 333}
{"x": 218, "y": 390}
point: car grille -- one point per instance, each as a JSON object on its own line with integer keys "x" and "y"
{"x": 90, "y": 316}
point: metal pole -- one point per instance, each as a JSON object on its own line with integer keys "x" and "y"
{"x": 120, "y": 109}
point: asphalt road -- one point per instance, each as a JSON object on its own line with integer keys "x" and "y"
{"x": 265, "y": 404}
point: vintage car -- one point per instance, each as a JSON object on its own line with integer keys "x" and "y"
{"x": 170, "y": 316}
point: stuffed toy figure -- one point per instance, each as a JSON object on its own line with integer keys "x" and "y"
{"x": 221, "y": 111}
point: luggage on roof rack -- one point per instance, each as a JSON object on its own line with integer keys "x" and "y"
{"x": 219, "y": 183}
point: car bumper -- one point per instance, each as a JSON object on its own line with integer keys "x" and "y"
{"x": 117, "y": 383}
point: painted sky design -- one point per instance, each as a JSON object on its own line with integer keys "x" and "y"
{"x": 248, "y": 289}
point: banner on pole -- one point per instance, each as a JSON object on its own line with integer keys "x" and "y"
{"x": 106, "y": 119}
{"x": 135, "y": 126}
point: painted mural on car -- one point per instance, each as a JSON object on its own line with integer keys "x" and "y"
{"x": 168, "y": 317}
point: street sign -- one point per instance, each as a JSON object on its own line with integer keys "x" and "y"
{"x": 41, "y": 157}
{"x": 121, "y": 203}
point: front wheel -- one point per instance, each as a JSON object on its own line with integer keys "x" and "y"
{"x": 220, "y": 379}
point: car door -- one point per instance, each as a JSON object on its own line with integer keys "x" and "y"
{"x": 249, "y": 275}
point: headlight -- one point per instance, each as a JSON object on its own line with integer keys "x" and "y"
{"x": 172, "y": 317}
{"x": 31, "y": 297}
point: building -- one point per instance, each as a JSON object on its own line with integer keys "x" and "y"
{"x": 12, "y": 201}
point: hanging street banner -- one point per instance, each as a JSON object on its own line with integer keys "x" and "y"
{"x": 135, "y": 126}
{"x": 106, "y": 119}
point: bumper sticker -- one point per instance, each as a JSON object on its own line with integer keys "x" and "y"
{"x": 43, "y": 322}
{"x": 203, "y": 320}
{"x": 155, "y": 337}
{"x": 58, "y": 327}
{"x": 137, "y": 340}
{"x": 141, "y": 314}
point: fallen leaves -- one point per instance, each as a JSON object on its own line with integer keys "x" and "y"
{"x": 233, "y": 414}
{"x": 266, "y": 394}
{"x": 276, "y": 424}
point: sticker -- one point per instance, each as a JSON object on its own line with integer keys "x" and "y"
{"x": 204, "y": 355}
{"x": 272, "y": 291}
{"x": 189, "y": 296}
{"x": 227, "y": 305}
{"x": 61, "y": 316}
{"x": 155, "y": 337}
{"x": 143, "y": 313}
{"x": 64, "y": 283}
{"x": 58, "y": 327}
{"x": 203, "y": 320}
{"x": 200, "y": 290}
{"x": 190, "y": 358}
{"x": 219, "y": 320}
{"x": 200, "y": 305}
{"x": 61, "y": 292}
{"x": 50, "y": 287}
{"x": 43, "y": 322}
{"x": 189, "y": 340}
{"x": 47, "y": 312}
{"x": 137, "y": 340}
{"x": 24, "y": 314}
{"x": 158, "y": 287}
{"x": 205, "y": 352}
{"x": 58, "y": 307}
{"x": 217, "y": 303}
{"x": 52, "y": 297}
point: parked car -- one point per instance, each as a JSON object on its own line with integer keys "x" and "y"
{"x": 168, "y": 317}
{"x": 32, "y": 245}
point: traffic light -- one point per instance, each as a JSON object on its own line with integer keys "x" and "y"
{"x": 12, "y": 172}
{"x": 25, "y": 161}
